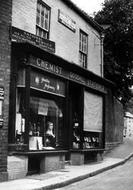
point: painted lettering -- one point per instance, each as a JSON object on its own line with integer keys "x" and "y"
{"x": 77, "y": 77}
{"x": 48, "y": 66}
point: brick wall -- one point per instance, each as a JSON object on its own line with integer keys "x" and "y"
{"x": 5, "y": 22}
{"x": 67, "y": 42}
{"x": 24, "y": 15}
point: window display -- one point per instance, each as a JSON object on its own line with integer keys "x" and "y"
{"x": 50, "y": 137}
{"x": 76, "y": 132}
{"x": 20, "y": 117}
{"x": 46, "y": 123}
{"x": 92, "y": 140}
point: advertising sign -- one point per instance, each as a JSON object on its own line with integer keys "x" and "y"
{"x": 47, "y": 84}
{"x": 23, "y": 36}
{"x": 66, "y": 20}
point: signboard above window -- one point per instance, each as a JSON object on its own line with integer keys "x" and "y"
{"x": 47, "y": 84}
{"x": 66, "y": 20}
{"x": 23, "y": 36}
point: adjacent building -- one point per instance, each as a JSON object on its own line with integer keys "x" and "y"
{"x": 128, "y": 125}
{"x": 5, "y": 66}
{"x": 58, "y": 97}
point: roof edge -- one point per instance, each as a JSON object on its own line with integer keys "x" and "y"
{"x": 84, "y": 15}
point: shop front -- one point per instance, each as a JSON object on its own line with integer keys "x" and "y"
{"x": 87, "y": 127}
{"x": 56, "y": 110}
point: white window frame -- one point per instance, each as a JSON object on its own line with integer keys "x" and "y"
{"x": 42, "y": 20}
{"x": 83, "y": 48}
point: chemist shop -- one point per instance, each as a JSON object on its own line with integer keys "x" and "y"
{"x": 56, "y": 110}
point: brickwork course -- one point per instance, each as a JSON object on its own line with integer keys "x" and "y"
{"x": 5, "y": 60}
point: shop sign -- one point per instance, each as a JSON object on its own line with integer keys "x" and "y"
{"x": 89, "y": 83}
{"x": 46, "y": 65}
{"x": 66, "y": 20}
{"x": 47, "y": 84}
{"x": 23, "y": 36}
{"x": 96, "y": 86}
{"x": 66, "y": 74}
{"x": 77, "y": 77}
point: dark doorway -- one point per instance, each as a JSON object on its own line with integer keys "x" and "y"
{"x": 76, "y": 115}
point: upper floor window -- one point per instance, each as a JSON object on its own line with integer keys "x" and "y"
{"x": 42, "y": 20}
{"x": 83, "y": 48}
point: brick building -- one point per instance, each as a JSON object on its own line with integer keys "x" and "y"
{"x": 5, "y": 59}
{"x": 58, "y": 106}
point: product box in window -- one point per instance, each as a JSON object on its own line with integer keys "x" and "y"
{"x": 35, "y": 143}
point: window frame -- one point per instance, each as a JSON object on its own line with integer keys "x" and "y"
{"x": 41, "y": 29}
{"x": 83, "y": 48}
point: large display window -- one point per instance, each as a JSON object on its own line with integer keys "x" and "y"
{"x": 46, "y": 122}
{"x": 41, "y": 123}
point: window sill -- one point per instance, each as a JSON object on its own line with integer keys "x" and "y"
{"x": 88, "y": 150}
{"x": 40, "y": 152}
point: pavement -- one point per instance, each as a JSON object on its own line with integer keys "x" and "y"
{"x": 59, "y": 178}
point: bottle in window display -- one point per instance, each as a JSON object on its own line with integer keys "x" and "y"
{"x": 50, "y": 137}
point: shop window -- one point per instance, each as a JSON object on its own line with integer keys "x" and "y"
{"x": 45, "y": 124}
{"x": 93, "y": 120}
{"x": 83, "y": 48}
{"x": 20, "y": 116}
{"x": 42, "y": 20}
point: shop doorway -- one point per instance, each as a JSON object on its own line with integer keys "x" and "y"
{"x": 76, "y": 115}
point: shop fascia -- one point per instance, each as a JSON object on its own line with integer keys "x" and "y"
{"x": 46, "y": 66}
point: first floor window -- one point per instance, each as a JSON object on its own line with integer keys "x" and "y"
{"x": 83, "y": 48}
{"x": 42, "y": 20}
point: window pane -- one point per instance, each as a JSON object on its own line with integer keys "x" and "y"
{"x": 38, "y": 14}
{"x": 42, "y": 21}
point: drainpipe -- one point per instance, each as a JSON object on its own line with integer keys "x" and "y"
{"x": 102, "y": 61}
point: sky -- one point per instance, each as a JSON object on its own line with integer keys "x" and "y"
{"x": 89, "y": 6}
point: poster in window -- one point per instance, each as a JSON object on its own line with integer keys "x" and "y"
{"x": 43, "y": 109}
